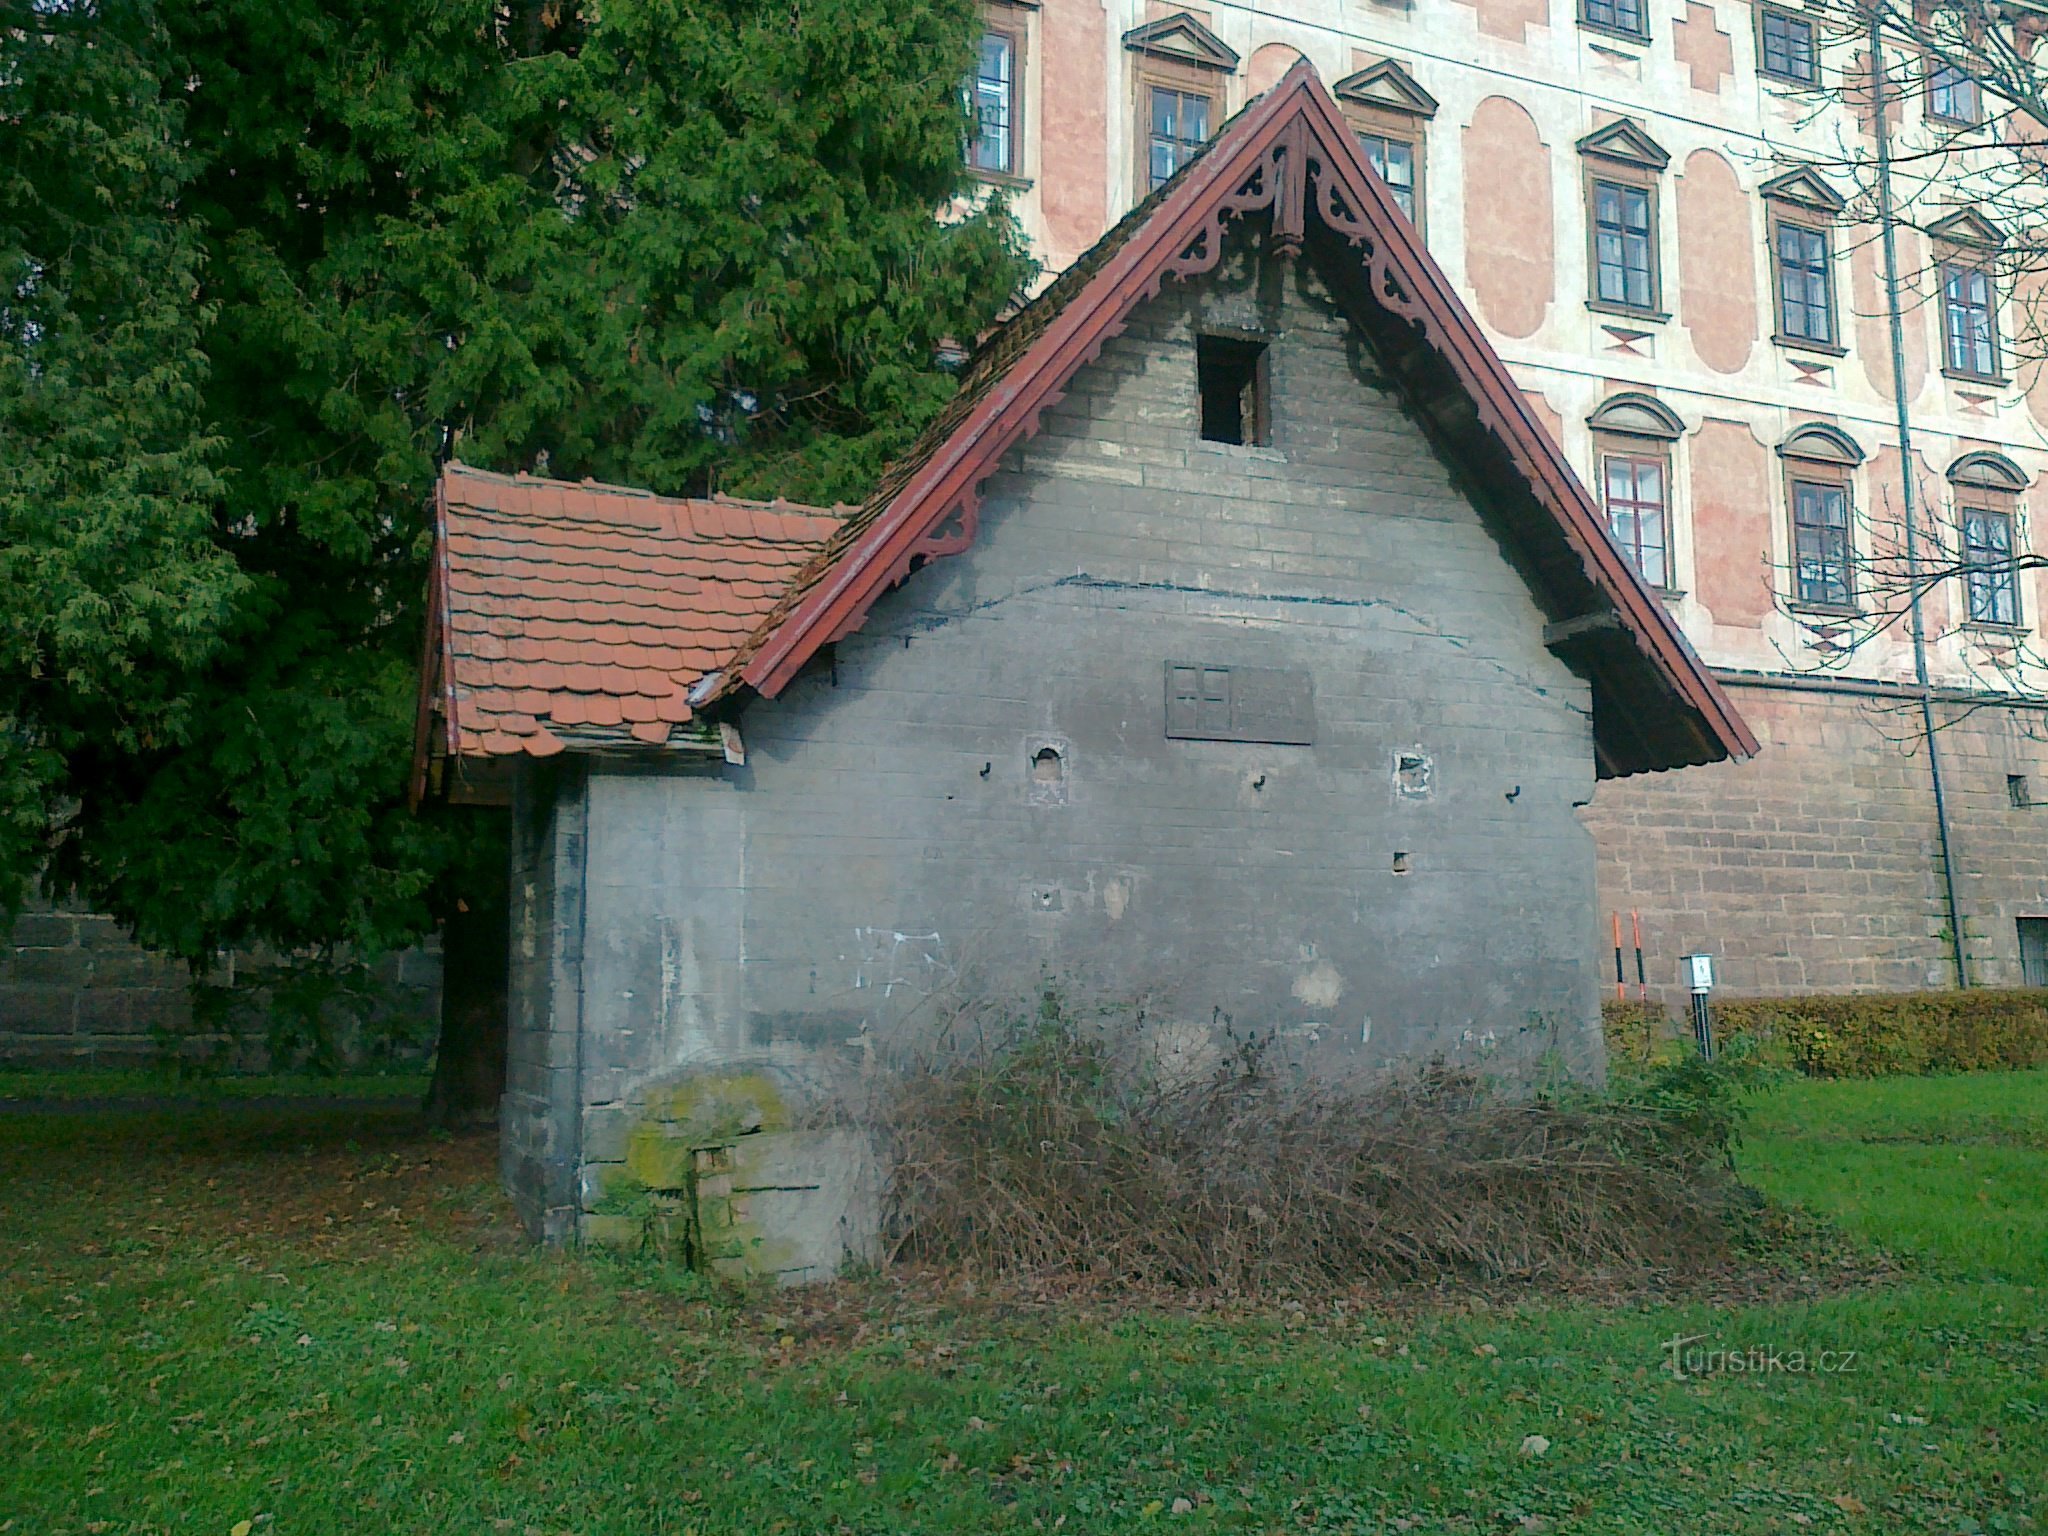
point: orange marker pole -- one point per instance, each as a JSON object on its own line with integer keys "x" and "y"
{"x": 1620, "y": 985}
{"x": 1635, "y": 921}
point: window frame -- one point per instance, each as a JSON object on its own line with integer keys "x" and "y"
{"x": 2029, "y": 926}
{"x": 1978, "y": 502}
{"x": 1001, "y": 22}
{"x": 1641, "y": 452}
{"x": 1639, "y": 427}
{"x": 1395, "y": 125}
{"x": 1822, "y": 475}
{"x": 1964, "y": 262}
{"x": 1255, "y": 395}
{"x": 1614, "y": 29}
{"x": 1625, "y": 178}
{"x": 1390, "y": 142}
{"x": 1397, "y": 128}
{"x": 1766, "y": 13}
{"x": 1811, "y": 222}
{"x": 1976, "y": 86}
{"x": 1150, "y": 74}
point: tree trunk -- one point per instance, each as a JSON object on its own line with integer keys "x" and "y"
{"x": 469, "y": 1067}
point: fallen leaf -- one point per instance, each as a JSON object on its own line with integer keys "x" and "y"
{"x": 1183, "y": 1506}
{"x": 1848, "y": 1504}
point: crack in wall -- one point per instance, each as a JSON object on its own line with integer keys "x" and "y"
{"x": 1424, "y": 628}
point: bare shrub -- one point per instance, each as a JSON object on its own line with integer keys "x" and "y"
{"x": 1053, "y": 1150}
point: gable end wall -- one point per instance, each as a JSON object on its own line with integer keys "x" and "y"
{"x": 886, "y": 849}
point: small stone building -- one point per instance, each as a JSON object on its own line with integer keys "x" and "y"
{"x": 1235, "y": 643}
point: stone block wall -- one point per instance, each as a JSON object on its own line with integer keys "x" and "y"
{"x": 1816, "y": 867}
{"x": 76, "y": 991}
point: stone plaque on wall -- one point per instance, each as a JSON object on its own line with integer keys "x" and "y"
{"x": 1205, "y": 702}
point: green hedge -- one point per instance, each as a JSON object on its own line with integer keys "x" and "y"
{"x": 1870, "y": 1034}
{"x": 1635, "y": 1030}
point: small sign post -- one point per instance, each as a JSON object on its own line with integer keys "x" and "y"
{"x": 1699, "y": 980}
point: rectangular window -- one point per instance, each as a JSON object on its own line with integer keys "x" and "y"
{"x": 1820, "y": 544}
{"x": 1787, "y": 48}
{"x": 1624, "y": 16}
{"x": 1394, "y": 159}
{"x": 1231, "y": 376}
{"x": 2018, "y": 792}
{"x": 1624, "y": 246}
{"x": 1637, "y": 514}
{"x": 992, "y": 97}
{"x": 1969, "y": 321}
{"x": 1806, "y": 303}
{"x": 1180, "y": 126}
{"x": 2033, "y": 951}
{"x": 1988, "y": 573}
{"x": 1953, "y": 96}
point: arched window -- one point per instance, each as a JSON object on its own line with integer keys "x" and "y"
{"x": 1632, "y": 438}
{"x": 1987, "y": 489}
{"x": 1820, "y": 463}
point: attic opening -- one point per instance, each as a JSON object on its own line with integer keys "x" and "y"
{"x": 1231, "y": 374}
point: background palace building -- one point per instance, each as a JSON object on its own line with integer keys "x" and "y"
{"x": 1655, "y": 209}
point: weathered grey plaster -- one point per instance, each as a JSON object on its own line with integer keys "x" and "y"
{"x": 540, "y": 1117}
{"x": 887, "y": 845}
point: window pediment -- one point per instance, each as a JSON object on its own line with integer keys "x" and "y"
{"x": 1804, "y": 189}
{"x": 1966, "y": 226}
{"x": 1987, "y": 471}
{"x": 1625, "y": 141}
{"x": 1822, "y": 444}
{"x": 1637, "y": 415}
{"x": 1386, "y": 85}
{"x": 1183, "y": 39}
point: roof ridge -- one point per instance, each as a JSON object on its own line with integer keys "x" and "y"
{"x": 838, "y": 509}
{"x": 458, "y": 469}
{"x": 455, "y": 468}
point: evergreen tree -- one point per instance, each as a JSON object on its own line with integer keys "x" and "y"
{"x": 112, "y": 589}
{"x": 675, "y": 245}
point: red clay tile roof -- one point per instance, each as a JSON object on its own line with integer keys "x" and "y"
{"x": 584, "y": 613}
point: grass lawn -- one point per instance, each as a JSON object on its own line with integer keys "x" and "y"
{"x": 1951, "y": 1169}
{"x": 252, "y": 1320}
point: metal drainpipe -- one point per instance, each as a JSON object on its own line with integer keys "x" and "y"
{"x": 1887, "y": 222}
